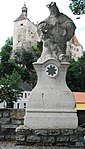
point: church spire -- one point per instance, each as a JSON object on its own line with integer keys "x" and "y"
{"x": 24, "y": 10}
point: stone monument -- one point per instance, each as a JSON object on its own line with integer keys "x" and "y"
{"x": 51, "y": 104}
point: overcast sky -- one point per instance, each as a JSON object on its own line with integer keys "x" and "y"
{"x": 37, "y": 11}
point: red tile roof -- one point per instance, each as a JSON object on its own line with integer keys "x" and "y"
{"x": 75, "y": 41}
{"x": 79, "y": 97}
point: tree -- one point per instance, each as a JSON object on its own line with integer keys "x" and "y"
{"x": 9, "y": 76}
{"x": 38, "y": 49}
{"x": 26, "y": 59}
{"x": 10, "y": 87}
{"x": 77, "y": 6}
{"x": 5, "y": 65}
{"x": 6, "y": 50}
{"x": 76, "y": 75}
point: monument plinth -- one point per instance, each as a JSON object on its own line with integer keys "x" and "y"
{"x": 51, "y": 103}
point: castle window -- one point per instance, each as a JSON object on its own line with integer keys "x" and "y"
{"x": 18, "y": 105}
{"x": 25, "y": 95}
{"x": 21, "y": 24}
{"x": 21, "y": 95}
{"x": 74, "y": 49}
{"x": 24, "y": 105}
{"x": 77, "y": 50}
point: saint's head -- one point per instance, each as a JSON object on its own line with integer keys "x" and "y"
{"x": 53, "y": 8}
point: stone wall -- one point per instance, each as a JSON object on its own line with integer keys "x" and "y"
{"x": 62, "y": 138}
{"x": 10, "y": 119}
{"x": 13, "y": 119}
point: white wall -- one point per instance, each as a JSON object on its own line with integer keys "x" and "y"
{"x": 21, "y": 103}
{"x": 24, "y": 32}
{"x": 75, "y": 51}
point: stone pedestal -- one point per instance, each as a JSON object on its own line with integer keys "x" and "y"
{"x": 51, "y": 103}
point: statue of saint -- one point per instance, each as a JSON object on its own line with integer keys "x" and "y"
{"x": 55, "y": 31}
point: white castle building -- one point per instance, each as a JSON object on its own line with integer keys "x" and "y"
{"x": 74, "y": 48}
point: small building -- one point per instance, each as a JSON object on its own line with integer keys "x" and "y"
{"x": 80, "y": 107}
{"x": 74, "y": 48}
{"x": 24, "y": 96}
{"x": 22, "y": 101}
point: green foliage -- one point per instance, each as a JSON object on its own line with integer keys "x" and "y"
{"x": 26, "y": 59}
{"x": 6, "y": 50}
{"x": 24, "y": 73}
{"x": 76, "y": 75}
{"x": 7, "y": 67}
{"x": 10, "y": 87}
{"x": 38, "y": 49}
{"x": 9, "y": 76}
{"x": 77, "y": 7}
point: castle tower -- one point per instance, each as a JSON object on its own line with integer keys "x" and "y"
{"x": 24, "y": 34}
